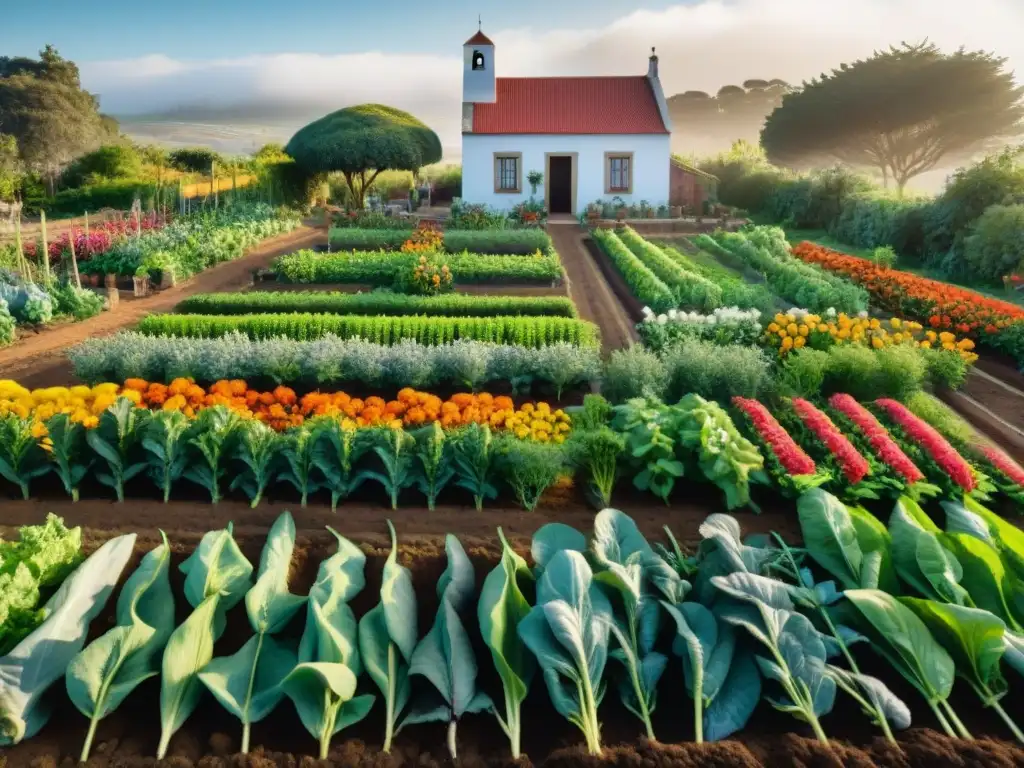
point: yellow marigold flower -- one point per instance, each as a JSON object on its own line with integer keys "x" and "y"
{"x": 174, "y": 403}
{"x": 822, "y": 328}
{"x": 965, "y": 344}
{"x": 792, "y": 329}
{"x": 782, "y": 319}
{"x": 894, "y": 322}
{"x": 132, "y": 394}
{"x": 39, "y": 430}
{"x": 926, "y": 344}
{"x": 559, "y": 439}
{"x": 783, "y": 334}
{"x": 946, "y": 336}
{"x": 541, "y": 437}
{"x": 803, "y": 330}
{"x": 107, "y": 388}
{"x": 898, "y": 338}
{"x": 844, "y": 333}
{"x": 787, "y": 343}
{"x": 877, "y": 342}
{"x": 522, "y": 433}
{"x": 948, "y": 345}
{"x": 773, "y": 327}
{"x": 799, "y": 341}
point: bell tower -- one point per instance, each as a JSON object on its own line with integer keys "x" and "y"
{"x": 478, "y": 86}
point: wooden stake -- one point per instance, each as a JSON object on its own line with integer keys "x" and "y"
{"x": 46, "y": 247}
{"x": 74, "y": 260}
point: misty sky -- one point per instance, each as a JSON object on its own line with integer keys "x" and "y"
{"x": 235, "y": 73}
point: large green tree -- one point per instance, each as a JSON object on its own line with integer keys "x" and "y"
{"x": 43, "y": 105}
{"x": 360, "y": 142}
{"x": 901, "y": 112}
{"x": 10, "y": 168}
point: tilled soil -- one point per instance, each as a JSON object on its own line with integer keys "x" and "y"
{"x": 211, "y": 737}
{"x": 591, "y": 290}
{"x": 40, "y": 360}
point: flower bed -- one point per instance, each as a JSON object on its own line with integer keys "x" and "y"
{"x": 333, "y": 361}
{"x": 726, "y": 325}
{"x": 432, "y": 330}
{"x": 788, "y": 464}
{"x": 389, "y": 268}
{"x": 100, "y": 238}
{"x": 281, "y": 408}
{"x": 375, "y": 303}
{"x": 521, "y": 242}
{"x": 938, "y": 305}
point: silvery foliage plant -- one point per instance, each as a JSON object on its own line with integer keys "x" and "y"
{"x": 332, "y": 360}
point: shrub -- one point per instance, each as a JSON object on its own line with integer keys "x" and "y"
{"x": 868, "y": 374}
{"x": 194, "y": 159}
{"x": 946, "y": 369}
{"x": 802, "y": 373}
{"x": 374, "y": 303}
{"x": 634, "y": 372}
{"x": 715, "y": 372}
{"x": 371, "y": 220}
{"x": 816, "y": 201}
{"x": 504, "y": 241}
{"x": 81, "y": 304}
{"x": 642, "y": 281}
{"x": 117, "y": 194}
{"x": 325, "y": 362}
{"x": 691, "y": 289}
{"x": 995, "y": 246}
{"x": 354, "y": 239}
{"x": 522, "y": 331}
{"x": 386, "y": 268}
{"x": 111, "y": 161}
{"x": 878, "y": 217}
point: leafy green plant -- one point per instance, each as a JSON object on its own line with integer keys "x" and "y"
{"x": 634, "y": 372}
{"x": 974, "y": 640}
{"x": 500, "y": 611}
{"x": 322, "y": 685}
{"x": 387, "y": 638}
{"x": 530, "y": 467}
{"x": 643, "y": 282}
{"x": 633, "y": 572}
{"x": 433, "y": 453}
{"x": 298, "y": 449}
{"x": 445, "y": 655}
{"x": 597, "y": 452}
{"x": 248, "y": 683}
{"x": 920, "y": 558}
{"x": 117, "y": 439}
{"x": 165, "y": 443}
{"x": 650, "y": 445}
{"x": 217, "y": 577}
{"x": 338, "y": 447}
{"x": 258, "y": 448}
{"x": 692, "y": 290}
{"x": 567, "y": 631}
{"x": 212, "y": 434}
{"x": 22, "y": 458}
{"x": 475, "y": 465}
{"x": 42, "y": 658}
{"x": 395, "y": 448}
{"x": 67, "y": 452}
{"x": 102, "y": 675}
{"x": 901, "y": 638}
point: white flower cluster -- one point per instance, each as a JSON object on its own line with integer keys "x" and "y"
{"x": 800, "y": 314}
{"x": 720, "y": 316}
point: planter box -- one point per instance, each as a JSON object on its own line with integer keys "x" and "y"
{"x": 167, "y": 279}
{"x": 141, "y": 287}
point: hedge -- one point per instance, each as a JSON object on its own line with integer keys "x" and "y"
{"x": 374, "y": 303}
{"x": 521, "y": 242}
{"x": 381, "y": 268}
{"x": 644, "y": 284}
{"x": 522, "y": 331}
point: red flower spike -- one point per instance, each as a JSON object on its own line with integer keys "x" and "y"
{"x": 930, "y": 441}
{"x": 791, "y": 456}
{"x": 854, "y": 466}
{"x": 878, "y": 436}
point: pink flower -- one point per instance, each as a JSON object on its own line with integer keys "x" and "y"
{"x": 931, "y": 442}
{"x": 879, "y": 438}
{"x": 854, "y": 466}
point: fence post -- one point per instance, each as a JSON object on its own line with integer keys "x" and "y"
{"x": 46, "y": 246}
{"x": 74, "y": 259}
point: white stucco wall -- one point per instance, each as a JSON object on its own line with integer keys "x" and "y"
{"x": 651, "y": 162}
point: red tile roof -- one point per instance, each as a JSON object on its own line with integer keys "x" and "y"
{"x": 581, "y": 105}
{"x": 479, "y": 39}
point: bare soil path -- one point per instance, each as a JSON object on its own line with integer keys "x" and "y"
{"x": 588, "y": 289}
{"x": 39, "y": 360}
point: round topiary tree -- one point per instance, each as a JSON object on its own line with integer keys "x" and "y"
{"x": 359, "y": 142}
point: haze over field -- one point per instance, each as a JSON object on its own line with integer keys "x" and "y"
{"x": 239, "y": 101}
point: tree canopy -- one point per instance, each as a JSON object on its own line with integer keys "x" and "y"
{"x": 194, "y": 159}
{"x": 704, "y": 123}
{"x": 901, "y": 111}
{"x": 111, "y": 161}
{"x": 361, "y": 141}
{"x": 43, "y": 106}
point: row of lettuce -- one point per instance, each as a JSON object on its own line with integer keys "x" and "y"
{"x": 235, "y": 438}
{"x": 748, "y": 620}
{"x": 38, "y": 293}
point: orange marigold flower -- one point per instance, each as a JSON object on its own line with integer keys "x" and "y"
{"x": 238, "y": 387}
{"x": 139, "y": 385}
{"x": 195, "y": 394}
{"x": 374, "y": 402}
{"x": 407, "y": 395}
{"x": 156, "y": 394}
{"x": 180, "y": 386}
{"x": 462, "y": 399}
{"x": 284, "y": 395}
{"x": 395, "y": 408}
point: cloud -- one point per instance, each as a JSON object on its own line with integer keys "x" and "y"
{"x": 701, "y": 45}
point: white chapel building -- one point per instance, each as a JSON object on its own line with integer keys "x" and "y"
{"x": 593, "y": 138}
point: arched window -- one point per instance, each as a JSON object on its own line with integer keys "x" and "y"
{"x": 478, "y": 60}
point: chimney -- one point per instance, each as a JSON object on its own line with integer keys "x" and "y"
{"x": 652, "y": 66}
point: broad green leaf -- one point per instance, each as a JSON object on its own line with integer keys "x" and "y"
{"x": 216, "y": 578}
{"x": 43, "y": 657}
{"x": 877, "y": 568}
{"x": 921, "y": 560}
{"x": 830, "y": 536}
{"x": 731, "y": 708}
{"x": 986, "y": 578}
{"x": 903, "y": 639}
{"x": 972, "y": 637}
{"x": 618, "y": 542}
{"x": 552, "y": 538}
{"x": 387, "y": 637}
{"x": 1009, "y": 539}
{"x": 324, "y": 696}
{"x": 269, "y": 605}
{"x": 878, "y": 696}
{"x": 502, "y": 607}
{"x": 568, "y": 633}
{"x": 101, "y": 676}
{"x": 445, "y": 655}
